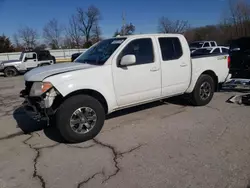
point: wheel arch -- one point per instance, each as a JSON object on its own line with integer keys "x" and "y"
{"x": 91, "y": 92}
{"x": 213, "y": 76}
{"x": 11, "y": 66}
{"x": 207, "y": 72}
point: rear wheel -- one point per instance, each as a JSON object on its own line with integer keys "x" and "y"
{"x": 80, "y": 118}
{"x": 203, "y": 91}
{"x": 10, "y": 72}
{"x": 45, "y": 64}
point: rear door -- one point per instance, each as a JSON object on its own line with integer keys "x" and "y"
{"x": 142, "y": 80}
{"x": 175, "y": 65}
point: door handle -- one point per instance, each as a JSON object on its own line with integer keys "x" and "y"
{"x": 153, "y": 69}
{"x": 183, "y": 65}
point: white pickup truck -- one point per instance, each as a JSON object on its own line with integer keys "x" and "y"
{"x": 118, "y": 73}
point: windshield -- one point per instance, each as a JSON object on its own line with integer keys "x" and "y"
{"x": 21, "y": 56}
{"x": 196, "y": 45}
{"x": 100, "y": 53}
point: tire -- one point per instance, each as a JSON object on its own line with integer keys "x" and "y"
{"x": 54, "y": 59}
{"x": 67, "y": 111}
{"x": 45, "y": 64}
{"x": 10, "y": 72}
{"x": 199, "y": 99}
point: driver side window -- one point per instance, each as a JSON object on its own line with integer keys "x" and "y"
{"x": 141, "y": 48}
{"x": 30, "y": 56}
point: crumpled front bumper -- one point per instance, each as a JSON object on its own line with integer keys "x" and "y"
{"x": 31, "y": 108}
{"x": 31, "y": 111}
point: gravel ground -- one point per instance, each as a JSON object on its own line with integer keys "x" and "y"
{"x": 162, "y": 144}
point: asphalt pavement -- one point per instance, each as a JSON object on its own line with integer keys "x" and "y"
{"x": 162, "y": 144}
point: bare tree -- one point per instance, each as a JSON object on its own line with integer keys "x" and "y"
{"x": 16, "y": 41}
{"x": 28, "y": 36}
{"x": 127, "y": 29}
{"x": 168, "y": 26}
{"x": 87, "y": 20}
{"x": 96, "y": 34}
{"x": 73, "y": 32}
{"x": 52, "y": 33}
{"x": 237, "y": 19}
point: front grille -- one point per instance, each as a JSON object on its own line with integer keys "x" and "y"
{"x": 28, "y": 86}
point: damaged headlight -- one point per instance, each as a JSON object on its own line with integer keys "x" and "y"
{"x": 38, "y": 88}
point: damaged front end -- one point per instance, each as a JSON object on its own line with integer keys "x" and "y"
{"x": 39, "y": 101}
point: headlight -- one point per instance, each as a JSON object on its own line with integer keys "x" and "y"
{"x": 38, "y": 88}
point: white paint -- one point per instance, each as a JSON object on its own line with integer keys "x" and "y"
{"x": 136, "y": 84}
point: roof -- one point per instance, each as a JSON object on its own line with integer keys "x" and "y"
{"x": 150, "y": 35}
{"x": 212, "y": 47}
{"x": 204, "y": 41}
{"x": 35, "y": 50}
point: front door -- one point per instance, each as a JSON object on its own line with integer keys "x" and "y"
{"x": 141, "y": 81}
{"x": 30, "y": 60}
{"x": 175, "y": 65}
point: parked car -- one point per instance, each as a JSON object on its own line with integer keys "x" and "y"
{"x": 201, "y": 44}
{"x": 75, "y": 55}
{"x": 27, "y": 61}
{"x": 240, "y": 58}
{"x": 208, "y": 51}
{"x": 118, "y": 73}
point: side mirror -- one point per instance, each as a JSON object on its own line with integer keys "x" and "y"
{"x": 128, "y": 60}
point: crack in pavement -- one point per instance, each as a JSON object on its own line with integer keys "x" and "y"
{"x": 88, "y": 179}
{"x": 213, "y": 108}
{"x": 20, "y": 133}
{"x": 79, "y": 147}
{"x": 181, "y": 110}
{"x": 38, "y": 154}
{"x": 35, "y": 160}
{"x": 116, "y": 155}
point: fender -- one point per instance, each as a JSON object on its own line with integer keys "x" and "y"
{"x": 97, "y": 79}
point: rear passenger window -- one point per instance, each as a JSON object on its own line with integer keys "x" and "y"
{"x": 213, "y": 44}
{"x": 216, "y": 51}
{"x": 170, "y": 48}
{"x": 225, "y": 50}
{"x": 206, "y": 44}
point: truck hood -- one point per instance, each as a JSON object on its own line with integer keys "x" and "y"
{"x": 10, "y": 61}
{"x": 40, "y": 73}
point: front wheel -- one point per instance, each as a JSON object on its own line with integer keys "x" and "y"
{"x": 203, "y": 91}
{"x": 80, "y": 118}
{"x": 10, "y": 72}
